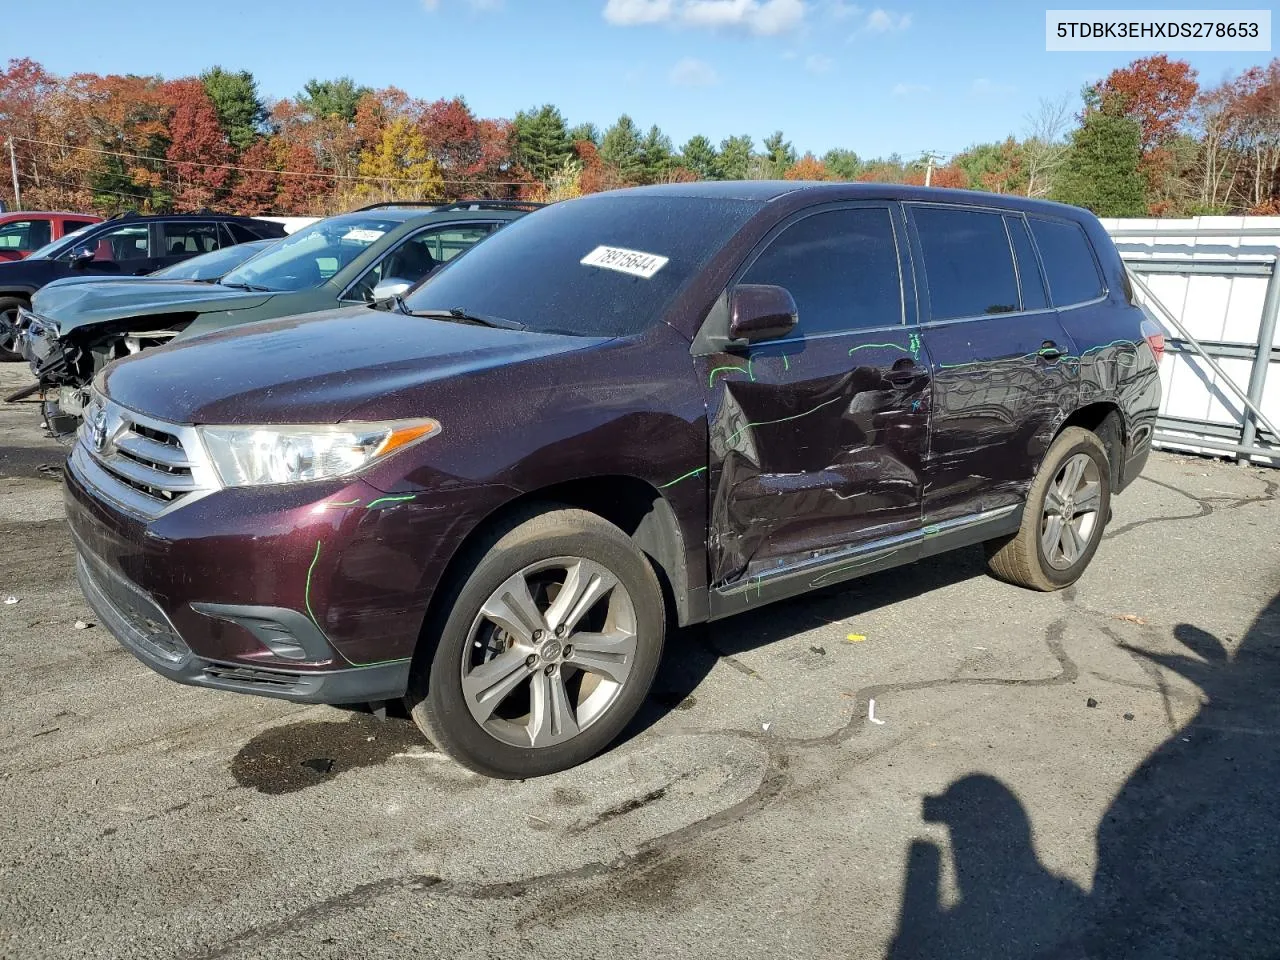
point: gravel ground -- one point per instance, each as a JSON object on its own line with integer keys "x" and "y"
{"x": 1088, "y": 773}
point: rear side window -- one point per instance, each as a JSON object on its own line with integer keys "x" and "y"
{"x": 1033, "y": 294}
{"x": 1068, "y": 261}
{"x": 68, "y": 225}
{"x": 182, "y": 239}
{"x": 242, "y": 234}
{"x": 967, "y": 262}
{"x": 841, "y": 267}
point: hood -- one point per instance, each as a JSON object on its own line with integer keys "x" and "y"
{"x": 316, "y": 368}
{"x": 80, "y": 301}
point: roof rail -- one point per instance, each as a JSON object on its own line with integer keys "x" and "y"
{"x": 454, "y": 205}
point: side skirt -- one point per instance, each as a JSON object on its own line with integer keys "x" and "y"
{"x": 813, "y": 573}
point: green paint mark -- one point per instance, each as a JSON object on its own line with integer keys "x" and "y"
{"x": 1039, "y": 354}
{"x": 691, "y": 473}
{"x": 842, "y": 568}
{"x": 374, "y": 503}
{"x": 882, "y": 346}
{"x": 343, "y": 503}
{"x": 913, "y": 344}
{"x": 786, "y": 362}
{"x": 932, "y": 530}
{"x": 712, "y": 376}
{"x": 751, "y": 368}
{"x": 307, "y": 595}
{"x": 768, "y": 423}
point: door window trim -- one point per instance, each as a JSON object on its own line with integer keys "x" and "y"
{"x": 491, "y": 224}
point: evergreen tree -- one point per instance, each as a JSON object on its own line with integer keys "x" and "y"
{"x": 779, "y": 155}
{"x": 585, "y": 131}
{"x": 842, "y": 164}
{"x": 241, "y": 112}
{"x": 332, "y": 98}
{"x": 623, "y": 149}
{"x": 541, "y": 141}
{"x": 699, "y": 156}
{"x": 656, "y": 152}
{"x": 1100, "y": 170}
{"x": 734, "y": 160}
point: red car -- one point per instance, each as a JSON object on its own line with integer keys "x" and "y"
{"x": 24, "y": 231}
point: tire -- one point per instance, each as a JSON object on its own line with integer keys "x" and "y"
{"x": 486, "y": 692}
{"x": 9, "y": 307}
{"x": 1024, "y": 558}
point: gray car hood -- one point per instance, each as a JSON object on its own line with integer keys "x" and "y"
{"x": 83, "y": 301}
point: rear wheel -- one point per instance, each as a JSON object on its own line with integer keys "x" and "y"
{"x": 1067, "y": 508}
{"x": 547, "y": 649}
{"x": 9, "y": 307}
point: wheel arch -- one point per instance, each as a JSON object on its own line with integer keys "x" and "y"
{"x": 1105, "y": 419}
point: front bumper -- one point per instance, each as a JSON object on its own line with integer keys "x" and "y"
{"x": 145, "y": 631}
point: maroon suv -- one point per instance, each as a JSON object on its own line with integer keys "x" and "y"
{"x": 665, "y": 404}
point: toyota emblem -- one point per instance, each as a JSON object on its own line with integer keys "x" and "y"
{"x": 98, "y": 429}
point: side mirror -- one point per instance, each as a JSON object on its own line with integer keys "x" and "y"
{"x": 389, "y": 289}
{"x": 761, "y": 311}
{"x": 81, "y": 256}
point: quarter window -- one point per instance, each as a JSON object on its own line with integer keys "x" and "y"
{"x": 1068, "y": 261}
{"x": 841, "y": 266}
{"x": 967, "y": 262}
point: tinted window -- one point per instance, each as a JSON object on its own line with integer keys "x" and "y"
{"x": 967, "y": 262}
{"x": 122, "y": 243}
{"x": 24, "y": 234}
{"x": 840, "y": 266}
{"x": 241, "y": 234}
{"x": 417, "y": 257}
{"x": 188, "y": 239}
{"x": 1068, "y": 261}
{"x": 1033, "y": 295}
{"x": 532, "y": 270}
{"x": 68, "y": 225}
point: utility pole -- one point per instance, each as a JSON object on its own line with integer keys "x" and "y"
{"x": 929, "y": 158}
{"x": 928, "y": 170}
{"x": 13, "y": 167}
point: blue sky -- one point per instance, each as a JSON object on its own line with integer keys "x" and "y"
{"x": 904, "y": 76}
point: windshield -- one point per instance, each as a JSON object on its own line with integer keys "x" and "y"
{"x": 51, "y": 250}
{"x": 210, "y": 266}
{"x": 311, "y": 256}
{"x": 607, "y": 266}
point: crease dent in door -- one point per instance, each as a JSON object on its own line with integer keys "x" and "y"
{"x": 831, "y": 454}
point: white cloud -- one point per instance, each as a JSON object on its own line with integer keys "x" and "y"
{"x": 630, "y": 13}
{"x": 909, "y": 89}
{"x": 817, "y": 63}
{"x": 982, "y": 87}
{"x": 691, "y": 72}
{"x": 761, "y": 17}
{"x": 880, "y": 20}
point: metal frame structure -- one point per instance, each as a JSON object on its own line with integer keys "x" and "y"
{"x": 1255, "y": 437}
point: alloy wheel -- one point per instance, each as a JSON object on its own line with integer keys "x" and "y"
{"x": 549, "y": 652}
{"x": 1070, "y": 511}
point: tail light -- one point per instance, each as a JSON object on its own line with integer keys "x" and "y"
{"x": 1154, "y": 336}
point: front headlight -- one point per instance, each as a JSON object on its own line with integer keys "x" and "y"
{"x": 251, "y": 456}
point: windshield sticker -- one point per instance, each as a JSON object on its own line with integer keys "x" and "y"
{"x": 361, "y": 235}
{"x": 625, "y": 261}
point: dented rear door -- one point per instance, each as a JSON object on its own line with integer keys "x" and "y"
{"x": 817, "y": 440}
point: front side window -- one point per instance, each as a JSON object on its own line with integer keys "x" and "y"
{"x": 840, "y": 266}
{"x": 1068, "y": 261}
{"x": 122, "y": 243}
{"x": 188, "y": 239}
{"x": 65, "y": 245}
{"x": 968, "y": 265}
{"x": 418, "y": 256}
{"x": 24, "y": 234}
{"x": 313, "y": 255}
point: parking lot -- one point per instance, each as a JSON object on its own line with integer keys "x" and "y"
{"x": 1086, "y": 773}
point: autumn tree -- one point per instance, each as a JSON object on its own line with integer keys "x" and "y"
{"x": 198, "y": 152}
{"x": 400, "y": 167}
{"x": 597, "y": 174}
{"x": 126, "y": 119}
{"x": 1256, "y": 126}
{"x": 301, "y": 184}
{"x": 1156, "y": 92}
{"x": 241, "y": 112}
{"x": 253, "y": 189}
{"x": 471, "y": 152}
{"x": 807, "y": 167}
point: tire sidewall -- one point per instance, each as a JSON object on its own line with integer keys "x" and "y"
{"x": 1093, "y": 448}
{"x": 452, "y": 718}
{"x": 14, "y": 304}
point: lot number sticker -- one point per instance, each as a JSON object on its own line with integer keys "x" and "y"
{"x": 634, "y": 262}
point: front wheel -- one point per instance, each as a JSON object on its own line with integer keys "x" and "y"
{"x": 9, "y": 307}
{"x": 546, "y": 650}
{"x": 1067, "y": 507}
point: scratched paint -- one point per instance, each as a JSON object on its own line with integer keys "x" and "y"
{"x": 307, "y": 593}
{"x": 882, "y": 346}
{"x": 382, "y": 500}
{"x": 691, "y": 473}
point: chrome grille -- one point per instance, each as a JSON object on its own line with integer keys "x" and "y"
{"x": 146, "y": 466}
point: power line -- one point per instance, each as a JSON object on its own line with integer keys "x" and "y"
{"x": 285, "y": 173}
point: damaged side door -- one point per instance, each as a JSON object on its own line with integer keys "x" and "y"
{"x": 817, "y": 440}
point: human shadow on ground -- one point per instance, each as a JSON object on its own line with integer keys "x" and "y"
{"x": 1188, "y": 852}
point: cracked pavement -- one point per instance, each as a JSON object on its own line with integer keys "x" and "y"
{"x": 754, "y": 810}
